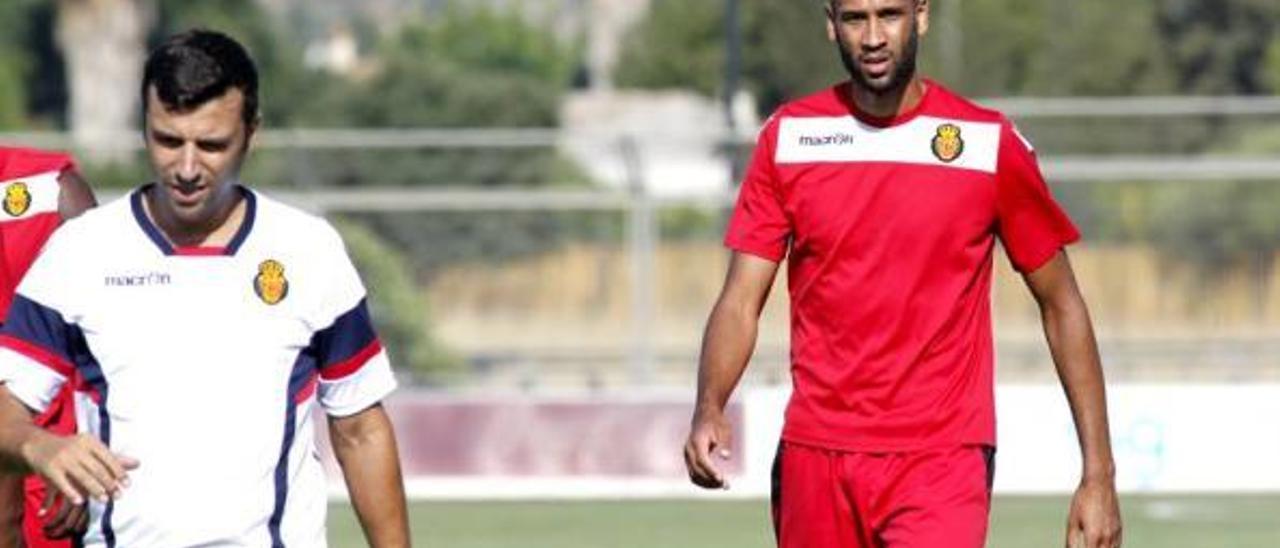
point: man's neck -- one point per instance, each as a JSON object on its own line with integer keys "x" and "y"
{"x": 889, "y": 104}
{"x": 217, "y": 232}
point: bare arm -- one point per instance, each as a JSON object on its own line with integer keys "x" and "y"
{"x": 727, "y": 345}
{"x": 77, "y": 466}
{"x": 365, "y": 446}
{"x": 13, "y": 417}
{"x": 16, "y": 432}
{"x": 11, "y": 506}
{"x": 1095, "y": 511}
{"x": 74, "y": 195}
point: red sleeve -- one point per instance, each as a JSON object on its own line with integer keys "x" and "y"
{"x": 759, "y": 224}
{"x": 1031, "y": 225}
{"x": 23, "y": 162}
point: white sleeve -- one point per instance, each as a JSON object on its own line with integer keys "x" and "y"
{"x": 354, "y": 370}
{"x": 32, "y": 383}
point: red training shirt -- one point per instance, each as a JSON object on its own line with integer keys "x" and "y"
{"x": 29, "y": 193}
{"x": 890, "y": 225}
{"x": 28, "y": 211}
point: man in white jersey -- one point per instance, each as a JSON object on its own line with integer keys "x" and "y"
{"x": 199, "y": 323}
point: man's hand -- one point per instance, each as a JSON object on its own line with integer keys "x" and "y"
{"x": 79, "y": 467}
{"x": 709, "y": 433}
{"x": 1094, "y": 520}
{"x": 59, "y": 518}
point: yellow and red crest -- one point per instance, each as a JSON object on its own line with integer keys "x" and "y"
{"x": 17, "y": 199}
{"x": 947, "y": 144}
{"x": 270, "y": 284}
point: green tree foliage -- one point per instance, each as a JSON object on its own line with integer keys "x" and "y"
{"x": 1218, "y": 47}
{"x": 677, "y": 46}
{"x": 12, "y": 92}
{"x": 465, "y": 68}
{"x": 681, "y": 45}
{"x": 1272, "y": 65}
{"x": 16, "y": 62}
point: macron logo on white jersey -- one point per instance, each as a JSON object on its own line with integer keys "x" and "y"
{"x": 138, "y": 280}
{"x": 924, "y": 140}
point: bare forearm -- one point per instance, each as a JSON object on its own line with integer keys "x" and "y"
{"x": 726, "y": 349}
{"x": 1075, "y": 355}
{"x": 371, "y": 467}
{"x": 11, "y": 505}
{"x": 16, "y": 433}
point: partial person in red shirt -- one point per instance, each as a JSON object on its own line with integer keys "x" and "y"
{"x": 39, "y": 190}
{"x": 885, "y": 195}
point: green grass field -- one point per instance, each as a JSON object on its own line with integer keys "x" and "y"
{"x": 1016, "y": 522}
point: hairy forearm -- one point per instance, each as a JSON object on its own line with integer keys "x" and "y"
{"x": 726, "y": 349}
{"x": 16, "y": 433}
{"x": 365, "y": 447}
{"x": 11, "y": 505}
{"x": 1075, "y": 355}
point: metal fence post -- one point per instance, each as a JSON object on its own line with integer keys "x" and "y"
{"x": 641, "y": 234}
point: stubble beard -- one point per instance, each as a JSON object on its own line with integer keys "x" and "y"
{"x": 903, "y": 70}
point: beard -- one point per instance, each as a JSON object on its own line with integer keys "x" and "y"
{"x": 898, "y": 78}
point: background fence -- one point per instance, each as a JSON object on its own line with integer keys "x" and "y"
{"x": 583, "y": 284}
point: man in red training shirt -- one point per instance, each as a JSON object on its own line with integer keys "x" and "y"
{"x": 39, "y": 190}
{"x": 886, "y": 194}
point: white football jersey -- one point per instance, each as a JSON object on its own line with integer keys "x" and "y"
{"x": 202, "y": 363}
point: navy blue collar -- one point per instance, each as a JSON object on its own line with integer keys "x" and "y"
{"x": 157, "y": 237}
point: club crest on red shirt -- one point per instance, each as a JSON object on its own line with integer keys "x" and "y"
{"x": 947, "y": 144}
{"x": 17, "y": 199}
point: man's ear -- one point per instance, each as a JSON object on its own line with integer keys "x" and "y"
{"x": 251, "y": 129}
{"x": 831, "y": 22}
{"x": 922, "y": 16}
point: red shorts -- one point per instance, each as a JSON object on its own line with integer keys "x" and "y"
{"x": 32, "y": 528}
{"x": 926, "y": 499}
{"x": 60, "y": 418}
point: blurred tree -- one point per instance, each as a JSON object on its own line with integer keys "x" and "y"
{"x": 1217, "y": 47}
{"x": 681, "y": 45}
{"x": 465, "y": 67}
{"x": 32, "y": 83}
{"x": 678, "y": 45}
{"x": 469, "y": 67}
{"x": 787, "y": 50}
{"x": 102, "y": 42}
{"x": 1272, "y": 65}
{"x": 13, "y": 69}
{"x": 13, "y": 108}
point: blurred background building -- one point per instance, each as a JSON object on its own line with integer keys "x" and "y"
{"x": 535, "y": 192}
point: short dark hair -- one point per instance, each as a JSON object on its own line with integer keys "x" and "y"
{"x": 197, "y": 66}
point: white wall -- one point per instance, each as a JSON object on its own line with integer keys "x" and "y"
{"x": 1167, "y": 438}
